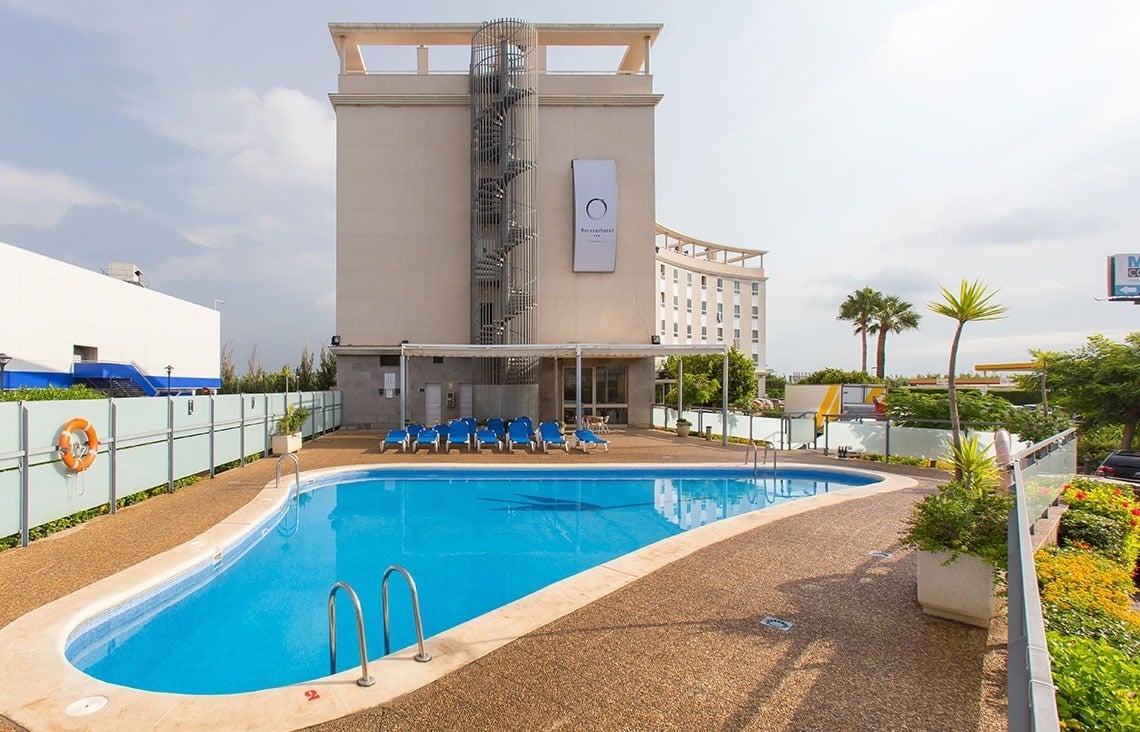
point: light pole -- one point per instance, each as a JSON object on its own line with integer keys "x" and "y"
{"x": 168, "y": 370}
{"x": 218, "y": 301}
{"x": 4, "y": 359}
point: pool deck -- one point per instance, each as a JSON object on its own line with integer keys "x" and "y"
{"x": 673, "y": 642}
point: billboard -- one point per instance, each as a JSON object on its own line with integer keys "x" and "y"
{"x": 1124, "y": 276}
{"x": 595, "y": 215}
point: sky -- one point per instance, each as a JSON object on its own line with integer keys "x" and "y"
{"x": 899, "y": 145}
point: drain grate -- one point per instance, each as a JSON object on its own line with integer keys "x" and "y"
{"x": 777, "y": 624}
{"x": 881, "y": 555}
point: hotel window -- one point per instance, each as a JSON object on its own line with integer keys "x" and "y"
{"x": 704, "y": 307}
{"x": 704, "y": 281}
{"x": 756, "y": 358}
{"x": 688, "y": 305}
{"x": 756, "y": 311}
{"x": 755, "y": 288}
{"x": 662, "y": 298}
{"x": 736, "y": 311}
{"x": 736, "y": 286}
{"x": 674, "y": 301}
{"x": 719, "y": 308}
{"x": 662, "y": 271}
{"x": 689, "y": 332}
{"x": 688, "y": 278}
{"x": 720, "y": 334}
{"x": 676, "y": 329}
{"x": 662, "y": 325}
{"x": 755, "y": 336}
{"x": 676, "y": 276}
{"x": 704, "y": 333}
{"x": 720, "y": 284}
{"x": 736, "y": 333}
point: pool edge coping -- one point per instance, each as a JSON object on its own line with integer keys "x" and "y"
{"x": 37, "y": 639}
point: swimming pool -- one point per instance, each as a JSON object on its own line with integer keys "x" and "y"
{"x": 256, "y": 616}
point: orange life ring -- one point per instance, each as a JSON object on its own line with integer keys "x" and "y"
{"x": 80, "y": 458}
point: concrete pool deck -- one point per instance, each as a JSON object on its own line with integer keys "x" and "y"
{"x": 674, "y": 643}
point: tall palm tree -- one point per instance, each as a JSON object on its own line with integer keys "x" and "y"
{"x": 971, "y": 303}
{"x": 893, "y": 316}
{"x": 859, "y": 308}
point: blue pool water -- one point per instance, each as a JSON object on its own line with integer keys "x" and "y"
{"x": 473, "y": 541}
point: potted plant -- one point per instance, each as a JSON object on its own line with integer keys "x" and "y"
{"x": 683, "y": 426}
{"x": 287, "y": 438}
{"x": 960, "y": 535}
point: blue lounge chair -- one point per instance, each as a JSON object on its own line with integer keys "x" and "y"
{"x": 487, "y": 437}
{"x": 472, "y": 428}
{"x": 497, "y": 426}
{"x": 458, "y": 435}
{"x": 518, "y": 433}
{"x": 395, "y": 437}
{"x": 414, "y": 430}
{"x": 426, "y": 438}
{"x": 529, "y": 424}
{"x": 587, "y": 437}
{"x": 551, "y": 434}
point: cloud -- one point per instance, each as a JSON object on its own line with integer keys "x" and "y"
{"x": 277, "y": 137}
{"x": 40, "y": 198}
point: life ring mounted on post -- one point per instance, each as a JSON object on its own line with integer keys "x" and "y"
{"x": 78, "y": 456}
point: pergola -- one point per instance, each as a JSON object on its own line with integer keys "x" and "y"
{"x": 565, "y": 350}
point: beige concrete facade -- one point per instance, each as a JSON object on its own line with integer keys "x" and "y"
{"x": 404, "y": 197}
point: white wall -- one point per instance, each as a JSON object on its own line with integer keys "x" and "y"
{"x": 49, "y": 307}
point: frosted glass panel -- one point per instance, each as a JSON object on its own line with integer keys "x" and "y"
{"x": 9, "y": 500}
{"x": 9, "y": 427}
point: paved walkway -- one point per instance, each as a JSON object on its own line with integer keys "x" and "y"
{"x": 681, "y": 648}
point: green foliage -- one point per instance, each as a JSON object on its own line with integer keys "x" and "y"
{"x": 325, "y": 378}
{"x": 50, "y": 393}
{"x": 892, "y": 315}
{"x": 1100, "y": 381}
{"x": 1079, "y": 584}
{"x": 921, "y": 408}
{"x": 1093, "y": 530}
{"x": 774, "y": 385}
{"x": 1096, "y": 684}
{"x": 293, "y": 419}
{"x": 859, "y": 308}
{"x": 839, "y": 376}
{"x": 971, "y": 303}
{"x": 702, "y": 380}
{"x": 307, "y": 376}
{"x": 1033, "y": 425}
{"x": 1096, "y": 442}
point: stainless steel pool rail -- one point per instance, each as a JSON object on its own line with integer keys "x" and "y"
{"x": 365, "y": 679}
{"x": 422, "y": 656}
{"x": 296, "y": 471}
{"x": 755, "y": 450}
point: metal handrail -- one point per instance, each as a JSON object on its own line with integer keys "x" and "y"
{"x": 365, "y": 679}
{"x": 422, "y": 656}
{"x": 296, "y": 471}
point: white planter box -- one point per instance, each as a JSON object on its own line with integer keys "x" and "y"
{"x": 282, "y": 444}
{"x": 963, "y": 590}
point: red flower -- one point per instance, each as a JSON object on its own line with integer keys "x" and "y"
{"x": 1116, "y": 491}
{"x": 1136, "y": 512}
{"x": 1081, "y": 495}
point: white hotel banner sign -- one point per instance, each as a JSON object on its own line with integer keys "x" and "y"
{"x": 595, "y": 215}
{"x": 1124, "y": 275}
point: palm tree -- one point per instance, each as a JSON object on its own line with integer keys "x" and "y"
{"x": 893, "y": 316}
{"x": 860, "y": 308}
{"x": 971, "y": 303}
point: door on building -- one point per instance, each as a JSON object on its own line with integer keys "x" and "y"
{"x": 603, "y": 394}
{"x": 433, "y": 394}
{"x": 466, "y": 401}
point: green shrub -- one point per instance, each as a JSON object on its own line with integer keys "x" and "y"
{"x": 1096, "y": 684}
{"x": 50, "y": 393}
{"x": 1115, "y": 504}
{"x": 293, "y": 419}
{"x": 1093, "y": 530}
{"x": 960, "y": 520}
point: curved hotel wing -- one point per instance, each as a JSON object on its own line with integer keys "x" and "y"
{"x": 487, "y": 201}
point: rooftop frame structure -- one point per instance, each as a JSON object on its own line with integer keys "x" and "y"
{"x": 670, "y": 240}
{"x": 349, "y": 38}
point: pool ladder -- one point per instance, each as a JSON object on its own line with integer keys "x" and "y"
{"x": 285, "y": 528}
{"x": 755, "y": 451}
{"x": 366, "y": 680}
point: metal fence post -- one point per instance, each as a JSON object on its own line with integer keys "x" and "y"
{"x": 25, "y": 479}
{"x": 114, "y": 455}
{"x": 170, "y": 443}
{"x": 241, "y": 430}
{"x": 213, "y": 421}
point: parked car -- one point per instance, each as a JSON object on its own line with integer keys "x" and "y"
{"x": 1121, "y": 465}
